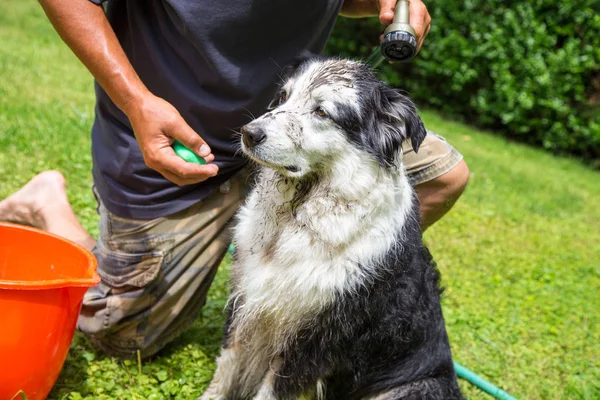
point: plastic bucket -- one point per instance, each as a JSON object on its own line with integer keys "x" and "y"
{"x": 42, "y": 282}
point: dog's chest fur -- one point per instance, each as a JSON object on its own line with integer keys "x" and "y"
{"x": 301, "y": 244}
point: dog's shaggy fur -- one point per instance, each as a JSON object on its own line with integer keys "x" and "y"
{"x": 334, "y": 295}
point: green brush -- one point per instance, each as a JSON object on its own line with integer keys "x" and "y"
{"x": 187, "y": 154}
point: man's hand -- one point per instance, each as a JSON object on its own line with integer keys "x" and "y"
{"x": 419, "y": 16}
{"x": 156, "y": 123}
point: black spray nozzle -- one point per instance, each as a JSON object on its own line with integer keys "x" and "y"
{"x": 399, "y": 46}
{"x": 399, "y": 41}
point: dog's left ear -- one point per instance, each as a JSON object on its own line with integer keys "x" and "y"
{"x": 395, "y": 120}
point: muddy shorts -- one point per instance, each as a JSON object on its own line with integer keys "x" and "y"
{"x": 156, "y": 273}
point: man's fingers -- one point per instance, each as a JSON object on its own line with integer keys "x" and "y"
{"x": 386, "y": 11}
{"x": 419, "y": 20}
{"x": 190, "y": 139}
{"x": 422, "y": 38}
{"x": 180, "y": 181}
{"x": 187, "y": 170}
{"x": 182, "y": 172}
{"x": 175, "y": 179}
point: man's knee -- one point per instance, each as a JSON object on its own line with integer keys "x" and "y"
{"x": 439, "y": 195}
{"x": 454, "y": 182}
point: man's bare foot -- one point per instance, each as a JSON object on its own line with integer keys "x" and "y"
{"x": 45, "y": 190}
{"x": 43, "y": 203}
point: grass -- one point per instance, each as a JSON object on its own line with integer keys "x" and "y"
{"x": 520, "y": 252}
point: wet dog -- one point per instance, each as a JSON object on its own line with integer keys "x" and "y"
{"x": 334, "y": 295}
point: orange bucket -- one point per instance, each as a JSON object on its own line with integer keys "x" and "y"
{"x": 42, "y": 282}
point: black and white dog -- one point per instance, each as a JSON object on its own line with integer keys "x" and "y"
{"x": 334, "y": 295}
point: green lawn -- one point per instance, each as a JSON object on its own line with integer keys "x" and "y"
{"x": 520, "y": 252}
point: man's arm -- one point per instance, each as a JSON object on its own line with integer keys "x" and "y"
{"x": 419, "y": 16}
{"x": 84, "y": 27}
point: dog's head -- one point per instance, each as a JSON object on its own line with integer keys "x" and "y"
{"x": 327, "y": 108}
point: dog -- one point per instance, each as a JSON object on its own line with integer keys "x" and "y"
{"x": 334, "y": 295}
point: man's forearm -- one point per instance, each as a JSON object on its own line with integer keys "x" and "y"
{"x": 83, "y": 26}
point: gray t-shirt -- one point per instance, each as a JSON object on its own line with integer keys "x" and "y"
{"x": 217, "y": 62}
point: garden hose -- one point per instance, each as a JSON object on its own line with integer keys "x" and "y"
{"x": 481, "y": 383}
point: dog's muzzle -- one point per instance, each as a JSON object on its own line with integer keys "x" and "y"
{"x": 252, "y": 135}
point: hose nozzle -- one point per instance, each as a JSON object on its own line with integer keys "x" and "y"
{"x": 399, "y": 41}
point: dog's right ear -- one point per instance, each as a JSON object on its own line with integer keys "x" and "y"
{"x": 290, "y": 69}
{"x": 284, "y": 75}
{"x": 395, "y": 119}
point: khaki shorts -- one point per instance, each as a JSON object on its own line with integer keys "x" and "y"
{"x": 434, "y": 159}
{"x": 156, "y": 273}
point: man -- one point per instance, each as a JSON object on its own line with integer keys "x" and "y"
{"x": 191, "y": 71}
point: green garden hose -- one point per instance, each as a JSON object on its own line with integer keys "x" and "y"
{"x": 481, "y": 383}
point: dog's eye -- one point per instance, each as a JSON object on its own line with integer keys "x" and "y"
{"x": 278, "y": 100}
{"x": 321, "y": 113}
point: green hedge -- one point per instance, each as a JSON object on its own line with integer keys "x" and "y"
{"x": 529, "y": 69}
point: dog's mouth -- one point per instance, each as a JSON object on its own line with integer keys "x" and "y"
{"x": 252, "y": 154}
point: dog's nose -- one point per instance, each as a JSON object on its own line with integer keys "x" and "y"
{"x": 252, "y": 135}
